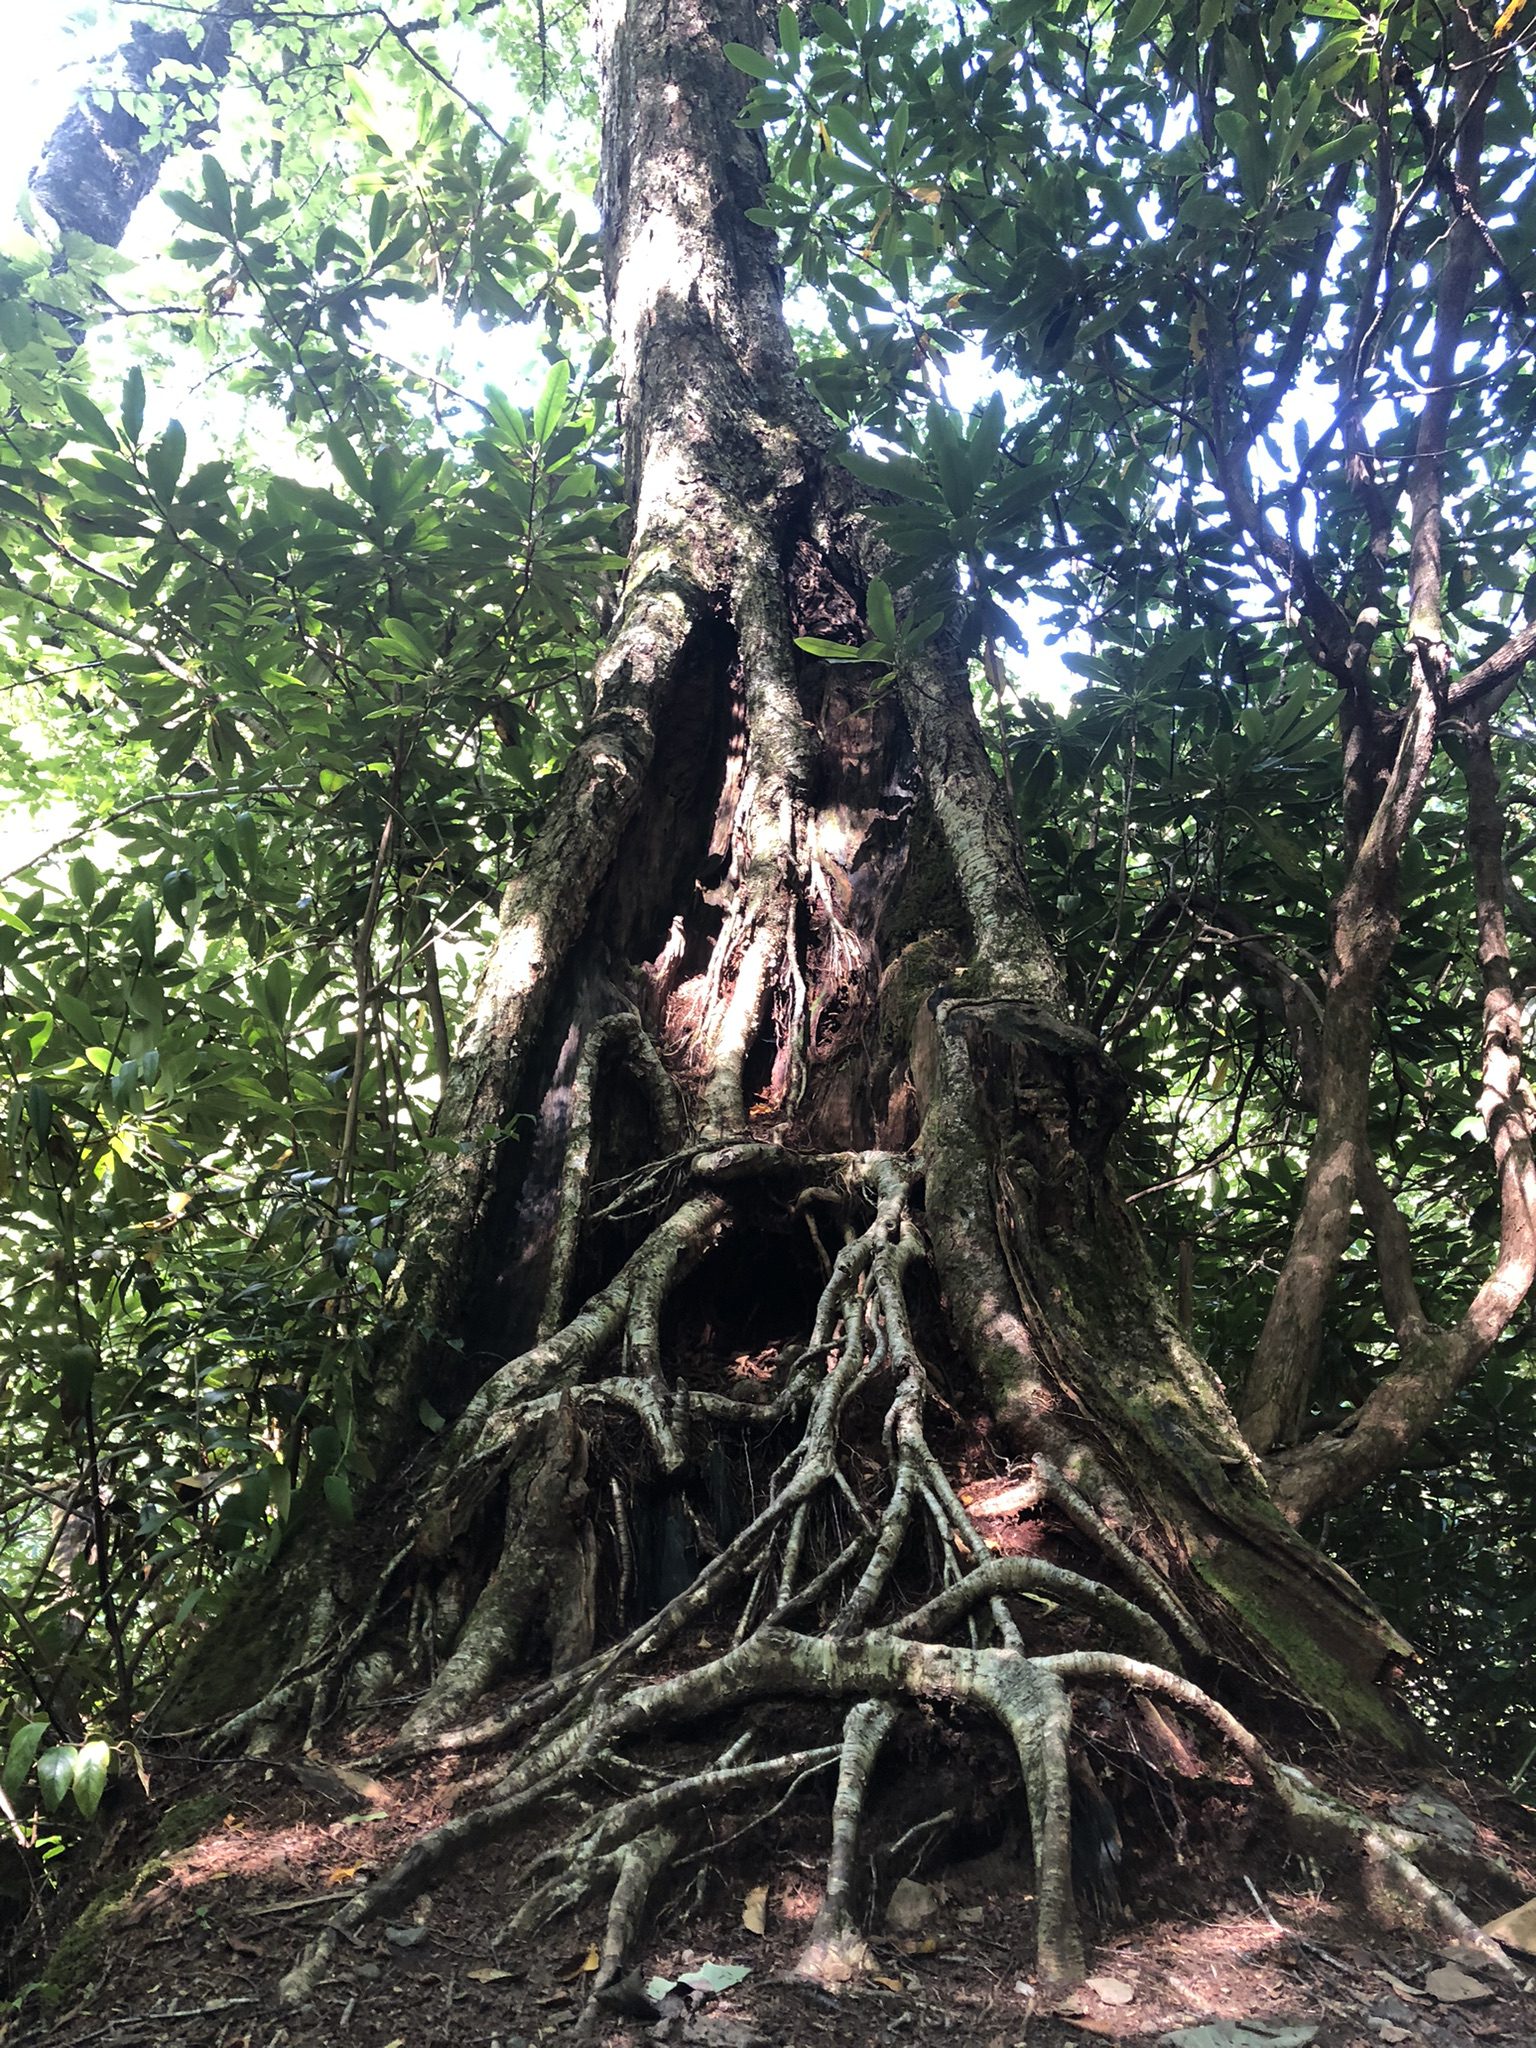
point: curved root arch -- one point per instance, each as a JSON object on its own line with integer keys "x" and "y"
{"x": 858, "y": 1654}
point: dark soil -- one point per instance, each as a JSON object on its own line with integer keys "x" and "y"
{"x": 1217, "y": 1926}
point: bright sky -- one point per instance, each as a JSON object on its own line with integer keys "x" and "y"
{"x": 45, "y": 62}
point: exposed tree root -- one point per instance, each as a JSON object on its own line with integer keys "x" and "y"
{"x": 827, "y": 1543}
{"x": 1027, "y": 1696}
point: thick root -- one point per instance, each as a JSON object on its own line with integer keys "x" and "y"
{"x": 797, "y": 1556}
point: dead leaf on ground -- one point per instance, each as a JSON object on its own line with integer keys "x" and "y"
{"x": 1389, "y": 2030}
{"x": 834, "y": 1963}
{"x": 973, "y": 1916}
{"x": 910, "y": 1905}
{"x": 889, "y": 1983}
{"x": 484, "y": 1974}
{"x": 1517, "y": 1928}
{"x": 1403, "y": 1990}
{"x": 1452, "y": 1986}
{"x": 1111, "y": 1990}
{"x": 715, "y": 1977}
{"x": 754, "y": 1914}
{"x": 1239, "y": 2034}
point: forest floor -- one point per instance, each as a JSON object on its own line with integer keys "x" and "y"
{"x": 1225, "y": 1941}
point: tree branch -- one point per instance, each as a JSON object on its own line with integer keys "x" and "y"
{"x": 1436, "y": 1360}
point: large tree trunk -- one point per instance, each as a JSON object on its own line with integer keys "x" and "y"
{"x": 779, "y": 1276}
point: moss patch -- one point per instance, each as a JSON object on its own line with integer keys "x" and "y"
{"x": 83, "y": 1951}
{"x": 186, "y": 1822}
{"x": 907, "y": 984}
{"x": 1321, "y": 1677}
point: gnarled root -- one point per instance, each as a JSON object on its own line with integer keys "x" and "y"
{"x": 821, "y": 1545}
{"x": 1027, "y": 1696}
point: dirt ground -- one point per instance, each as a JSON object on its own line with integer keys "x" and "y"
{"x": 1224, "y": 1942}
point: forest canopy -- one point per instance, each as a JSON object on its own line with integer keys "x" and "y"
{"x": 1184, "y": 356}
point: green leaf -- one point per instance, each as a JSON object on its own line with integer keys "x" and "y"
{"x": 216, "y": 187}
{"x": 133, "y": 404}
{"x": 404, "y": 634}
{"x": 789, "y": 33}
{"x": 276, "y": 991}
{"x": 834, "y": 650}
{"x": 87, "y": 417}
{"x": 1138, "y": 18}
{"x": 39, "y": 1110}
{"x": 338, "y": 1497}
{"x": 93, "y": 1763}
{"x": 84, "y": 879}
{"x": 551, "y": 401}
{"x": 55, "y": 1774}
{"x": 881, "y": 611}
{"x": 19, "y": 1759}
{"x": 752, "y": 62}
{"x": 1343, "y": 149}
{"x": 162, "y": 464}
{"x": 144, "y": 928}
{"x": 844, "y": 127}
{"x": 348, "y": 462}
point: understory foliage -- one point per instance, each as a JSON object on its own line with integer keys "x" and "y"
{"x": 311, "y": 530}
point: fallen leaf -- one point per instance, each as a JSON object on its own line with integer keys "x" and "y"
{"x": 1516, "y": 1929}
{"x": 1452, "y": 1986}
{"x": 835, "y": 1962}
{"x": 484, "y": 1974}
{"x": 1403, "y": 1990}
{"x": 580, "y": 1965}
{"x": 714, "y": 1977}
{"x": 921, "y": 1945}
{"x": 888, "y": 1983}
{"x": 1389, "y": 2030}
{"x": 405, "y": 1937}
{"x": 910, "y": 1905}
{"x": 343, "y": 1874}
{"x": 754, "y": 1914}
{"x": 1112, "y": 1990}
{"x": 1238, "y": 2034}
{"x": 973, "y": 1916}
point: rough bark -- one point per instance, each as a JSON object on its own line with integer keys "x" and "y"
{"x": 769, "y": 1003}
{"x": 100, "y": 162}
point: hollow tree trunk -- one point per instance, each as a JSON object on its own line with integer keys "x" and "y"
{"x": 781, "y": 1245}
